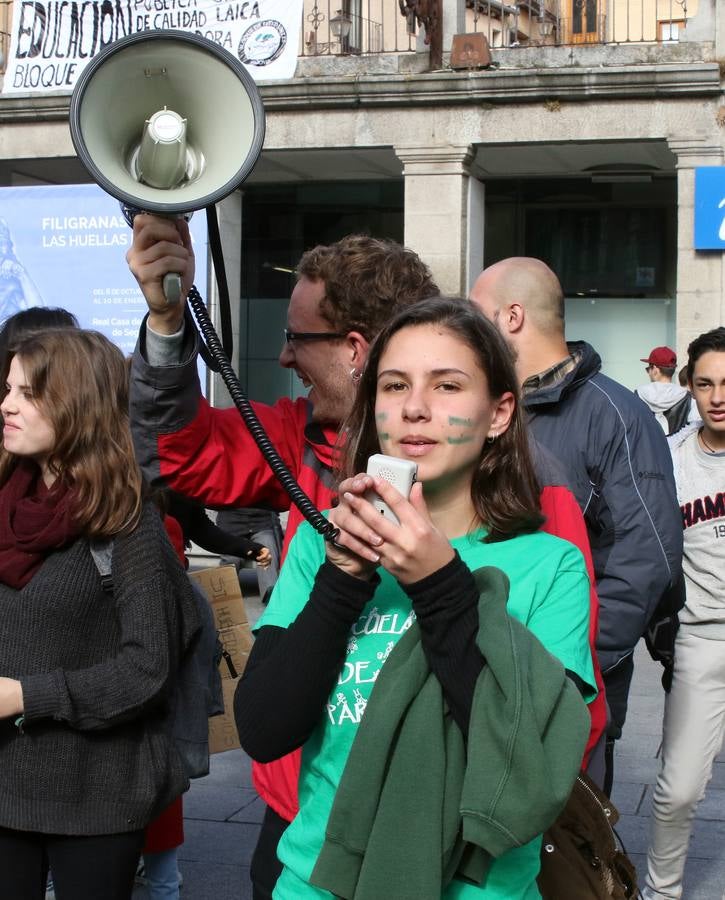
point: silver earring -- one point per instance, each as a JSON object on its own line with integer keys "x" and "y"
{"x": 355, "y": 374}
{"x": 491, "y": 438}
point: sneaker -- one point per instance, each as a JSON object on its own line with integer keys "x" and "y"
{"x": 49, "y": 889}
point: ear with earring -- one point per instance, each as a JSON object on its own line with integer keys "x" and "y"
{"x": 492, "y": 437}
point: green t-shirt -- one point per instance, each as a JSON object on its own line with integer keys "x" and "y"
{"x": 549, "y": 594}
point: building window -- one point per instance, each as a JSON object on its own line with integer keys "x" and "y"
{"x": 669, "y": 32}
{"x": 584, "y": 20}
{"x": 606, "y": 239}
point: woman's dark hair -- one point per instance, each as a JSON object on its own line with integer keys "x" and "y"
{"x": 31, "y": 321}
{"x": 504, "y": 489}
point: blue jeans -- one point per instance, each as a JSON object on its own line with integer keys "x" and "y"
{"x": 260, "y": 526}
{"x": 162, "y": 875}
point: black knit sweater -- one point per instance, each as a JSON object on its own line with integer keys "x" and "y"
{"x": 94, "y": 755}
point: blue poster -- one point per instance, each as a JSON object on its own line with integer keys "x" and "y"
{"x": 65, "y": 245}
{"x": 710, "y": 208}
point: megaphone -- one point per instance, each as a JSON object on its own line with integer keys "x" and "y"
{"x": 167, "y": 121}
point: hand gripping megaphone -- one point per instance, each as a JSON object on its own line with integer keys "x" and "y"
{"x": 167, "y": 122}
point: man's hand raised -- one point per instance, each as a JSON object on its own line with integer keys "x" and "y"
{"x": 161, "y": 245}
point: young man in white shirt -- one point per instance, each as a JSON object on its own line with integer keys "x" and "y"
{"x": 695, "y": 706}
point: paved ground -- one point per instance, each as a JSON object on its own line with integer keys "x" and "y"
{"x": 222, "y": 811}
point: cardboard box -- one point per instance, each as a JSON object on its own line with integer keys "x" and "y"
{"x": 222, "y": 730}
{"x": 221, "y": 586}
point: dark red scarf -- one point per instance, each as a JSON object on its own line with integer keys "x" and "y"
{"x": 34, "y": 521}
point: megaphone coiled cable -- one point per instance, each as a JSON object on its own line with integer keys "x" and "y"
{"x": 254, "y": 426}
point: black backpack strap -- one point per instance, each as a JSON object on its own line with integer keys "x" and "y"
{"x": 678, "y": 414}
{"x": 227, "y": 657}
{"x": 102, "y": 551}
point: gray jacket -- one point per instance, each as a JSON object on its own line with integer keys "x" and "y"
{"x": 95, "y": 754}
{"x": 619, "y": 468}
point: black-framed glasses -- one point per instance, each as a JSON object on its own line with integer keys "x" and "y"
{"x": 312, "y": 335}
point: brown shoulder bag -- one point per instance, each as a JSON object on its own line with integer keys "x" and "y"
{"x": 581, "y": 857}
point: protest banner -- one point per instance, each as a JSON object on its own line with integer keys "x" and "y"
{"x": 52, "y": 41}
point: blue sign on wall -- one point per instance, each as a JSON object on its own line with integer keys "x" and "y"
{"x": 710, "y": 208}
{"x": 65, "y": 245}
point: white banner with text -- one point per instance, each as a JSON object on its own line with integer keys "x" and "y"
{"x": 51, "y": 41}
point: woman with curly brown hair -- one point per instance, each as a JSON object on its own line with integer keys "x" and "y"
{"x": 86, "y": 676}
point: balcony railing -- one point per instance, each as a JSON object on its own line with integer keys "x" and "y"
{"x": 354, "y": 27}
{"x": 571, "y": 22}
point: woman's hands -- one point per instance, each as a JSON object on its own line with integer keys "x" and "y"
{"x": 11, "y": 698}
{"x": 409, "y": 551}
{"x": 356, "y": 552}
{"x": 161, "y": 245}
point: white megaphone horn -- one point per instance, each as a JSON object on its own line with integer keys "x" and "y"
{"x": 167, "y": 122}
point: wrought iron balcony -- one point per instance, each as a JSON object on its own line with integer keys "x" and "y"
{"x": 571, "y": 22}
{"x": 345, "y": 27}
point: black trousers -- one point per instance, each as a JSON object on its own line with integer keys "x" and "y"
{"x": 266, "y": 868}
{"x": 616, "y": 687}
{"x": 83, "y": 868}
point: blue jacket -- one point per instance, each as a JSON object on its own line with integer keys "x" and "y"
{"x": 618, "y": 464}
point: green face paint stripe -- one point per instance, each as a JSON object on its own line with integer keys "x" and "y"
{"x": 381, "y": 416}
{"x": 383, "y": 436}
{"x": 456, "y": 420}
{"x": 466, "y": 439}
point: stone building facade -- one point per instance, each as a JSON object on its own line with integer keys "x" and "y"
{"x": 582, "y": 151}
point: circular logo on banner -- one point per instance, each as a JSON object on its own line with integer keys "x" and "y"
{"x": 262, "y": 43}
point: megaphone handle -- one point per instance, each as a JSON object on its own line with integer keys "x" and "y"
{"x": 172, "y": 288}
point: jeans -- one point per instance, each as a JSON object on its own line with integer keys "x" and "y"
{"x": 262, "y": 527}
{"x": 162, "y": 875}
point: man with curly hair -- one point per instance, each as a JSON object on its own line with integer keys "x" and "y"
{"x": 344, "y": 294}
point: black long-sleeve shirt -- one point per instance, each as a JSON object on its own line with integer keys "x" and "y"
{"x": 291, "y": 671}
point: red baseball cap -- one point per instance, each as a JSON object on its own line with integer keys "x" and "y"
{"x": 662, "y": 357}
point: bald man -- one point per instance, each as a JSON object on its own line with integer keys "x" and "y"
{"x": 614, "y": 454}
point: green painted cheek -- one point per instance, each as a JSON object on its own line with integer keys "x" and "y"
{"x": 464, "y": 438}
{"x": 380, "y": 418}
{"x": 457, "y": 420}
